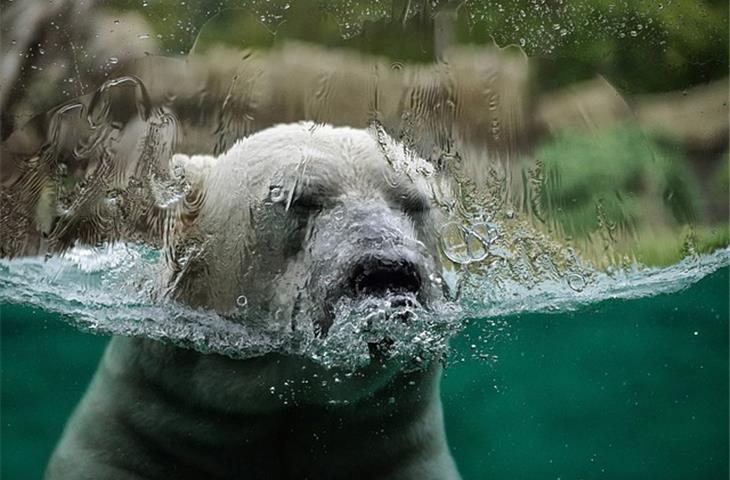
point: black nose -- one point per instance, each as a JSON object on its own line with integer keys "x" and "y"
{"x": 376, "y": 275}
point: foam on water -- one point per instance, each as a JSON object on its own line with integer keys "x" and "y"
{"x": 108, "y": 292}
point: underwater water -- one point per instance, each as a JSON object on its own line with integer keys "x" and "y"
{"x": 616, "y": 388}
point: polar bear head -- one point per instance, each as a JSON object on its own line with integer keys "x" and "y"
{"x": 297, "y": 217}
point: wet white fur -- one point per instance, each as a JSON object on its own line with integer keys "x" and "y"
{"x": 155, "y": 411}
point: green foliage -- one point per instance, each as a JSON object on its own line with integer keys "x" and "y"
{"x": 615, "y": 177}
{"x": 638, "y": 46}
{"x": 243, "y": 28}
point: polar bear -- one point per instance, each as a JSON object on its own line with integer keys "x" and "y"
{"x": 291, "y": 218}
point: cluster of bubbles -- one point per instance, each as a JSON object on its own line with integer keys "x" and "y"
{"x": 395, "y": 325}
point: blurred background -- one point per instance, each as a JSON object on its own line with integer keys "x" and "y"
{"x": 609, "y": 120}
{"x": 603, "y": 123}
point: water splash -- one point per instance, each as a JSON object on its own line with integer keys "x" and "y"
{"x": 109, "y": 292}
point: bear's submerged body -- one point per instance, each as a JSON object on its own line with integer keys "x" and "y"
{"x": 295, "y": 218}
{"x": 159, "y": 412}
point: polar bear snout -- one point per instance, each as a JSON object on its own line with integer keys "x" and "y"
{"x": 378, "y": 274}
{"x": 369, "y": 249}
{"x": 366, "y": 250}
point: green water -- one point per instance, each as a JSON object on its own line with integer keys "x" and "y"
{"x": 620, "y": 390}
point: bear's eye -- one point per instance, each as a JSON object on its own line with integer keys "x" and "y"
{"x": 308, "y": 203}
{"x": 311, "y": 197}
{"x": 413, "y": 202}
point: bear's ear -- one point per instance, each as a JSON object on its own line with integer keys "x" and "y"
{"x": 107, "y": 207}
{"x": 195, "y": 169}
{"x": 194, "y": 172}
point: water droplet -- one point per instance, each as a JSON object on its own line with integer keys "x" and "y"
{"x": 277, "y": 194}
{"x": 338, "y": 214}
{"x": 576, "y": 281}
{"x": 464, "y": 245}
